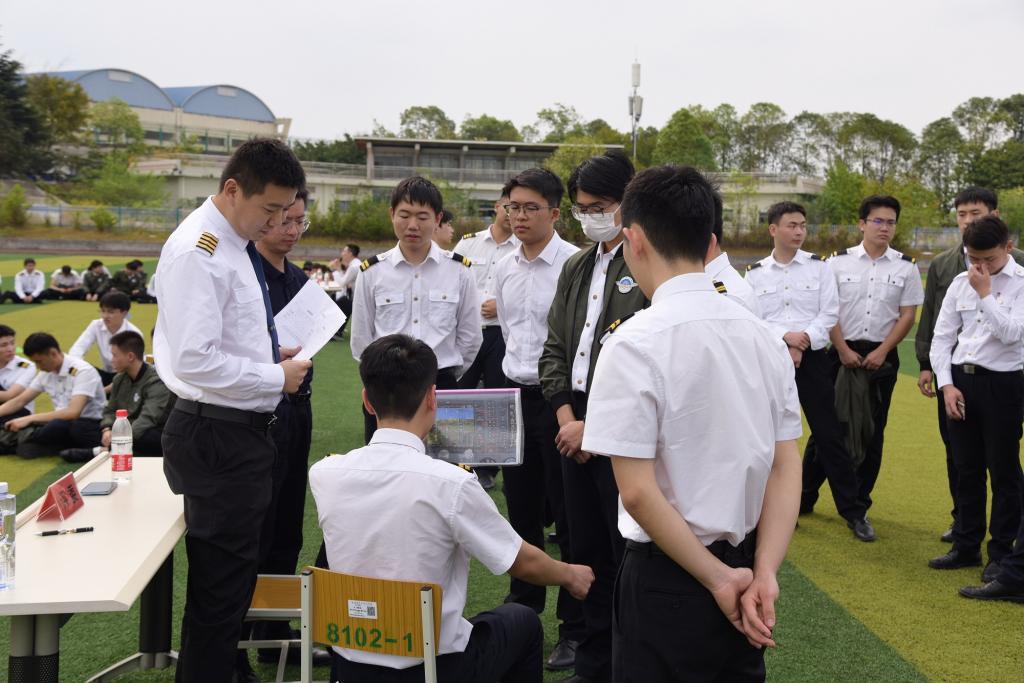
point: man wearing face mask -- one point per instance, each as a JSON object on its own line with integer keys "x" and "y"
{"x": 595, "y": 289}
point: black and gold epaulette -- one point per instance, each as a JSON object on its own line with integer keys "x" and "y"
{"x": 459, "y": 258}
{"x": 73, "y": 371}
{"x": 369, "y": 263}
{"x": 907, "y": 257}
{"x": 465, "y": 467}
{"x": 815, "y": 257}
{"x": 23, "y": 363}
{"x": 207, "y": 242}
{"x": 719, "y": 287}
{"x": 615, "y": 325}
{"x": 751, "y": 266}
{"x": 844, "y": 252}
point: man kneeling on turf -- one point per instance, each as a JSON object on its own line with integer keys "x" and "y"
{"x": 390, "y": 511}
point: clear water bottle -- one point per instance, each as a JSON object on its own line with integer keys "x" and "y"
{"x": 8, "y": 510}
{"x": 121, "y": 448}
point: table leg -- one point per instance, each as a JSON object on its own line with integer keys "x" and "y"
{"x": 35, "y": 649}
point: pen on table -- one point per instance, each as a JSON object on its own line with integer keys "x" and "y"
{"x": 61, "y": 532}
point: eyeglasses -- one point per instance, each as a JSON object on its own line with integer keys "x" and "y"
{"x": 579, "y": 212}
{"x": 530, "y": 209}
{"x": 300, "y": 224}
{"x": 879, "y": 222}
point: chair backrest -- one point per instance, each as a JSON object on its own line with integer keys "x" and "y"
{"x": 276, "y": 596}
{"x": 373, "y": 615}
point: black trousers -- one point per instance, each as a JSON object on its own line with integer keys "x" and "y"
{"x": 223, "y": 469}
{"x": 881, "y": 397}
{"x": 445, "y": 380}
{"x": 13, "y": 297}
{"x": 951, "y": 475}
{"x": 816, "y": 387}
{"x": 56, "y": 435}
{"x": 149, "y": 444}
{"x": 487, "y": 364}
{"x": 988, "y": 440}
{"x": 1011, "y": 567}
{"x": 592, "y": 510}
{"x": 54, "y": 295}
{"x": 528, "y": 489}
{"x": 292, "y": 434}
{"x": 668, "y": 627}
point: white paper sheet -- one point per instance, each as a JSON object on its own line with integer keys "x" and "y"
{"x": 309, "y": 320}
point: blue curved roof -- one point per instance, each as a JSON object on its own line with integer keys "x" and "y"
{"x": 221, "y": 100}
{"x": 106, "y": 84}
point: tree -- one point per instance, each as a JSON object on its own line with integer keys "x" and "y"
{"x": 344, "y": 151}
{"x": 1013, "y": 110}
{"x": 983, "y": 124}
{"x": 646, "y": 142}
{"x": 763, "y": 137}
{"x": 681, "y": 141}
{"x": 1001, "y": 167}
{"x": 601, "y": 131}
{"x": 486, "y": 127}
{"x": 811, "y": 135}
{"x": 426, "y": 123}
{"x": 840, "y": 197}
{"x": 118, "y": 185}
{"x": 63, "y": 106}
{"x": 721, "y": 127}
{"x": 117, "y": 125}
{"x": 1011, "y": 210}
{"x": 558, "y": 123}
{"x": 23, "y": 135}
{"x": 877, "y": 148}
{"x": 14, "y": 208}
{"x": 940, "y": 159}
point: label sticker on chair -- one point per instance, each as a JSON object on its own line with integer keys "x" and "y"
{"x": 362, "y": 609}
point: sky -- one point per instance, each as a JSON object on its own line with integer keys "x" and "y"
{"x": 336, "y": 67}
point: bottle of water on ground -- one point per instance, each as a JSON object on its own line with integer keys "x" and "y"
{"x": 121, "y": 448}
{"x": 8, "y": 511}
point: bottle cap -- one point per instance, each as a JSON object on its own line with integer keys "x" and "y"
{"x": 121, "y": 413}
{"x": 3, "y": 487}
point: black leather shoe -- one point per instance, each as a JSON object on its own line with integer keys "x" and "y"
{"x": 990, "y": 572}
{"x": 993, "y": 590}
{"x": 563, "y": 656}
{"x": 76, "y": 454}
{"x": 806, "y": 508}
{"x": 862, "y": 529}
{"x": 955, "y": 559}
{"x": 947, "y": 535}
{"x": 576, "y": 678}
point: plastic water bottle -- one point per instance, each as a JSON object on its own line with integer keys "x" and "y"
{"x": 121, "y": 448}
{"x": 8, "y": 510}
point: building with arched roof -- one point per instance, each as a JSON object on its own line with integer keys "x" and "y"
{"x": 212, "y": 118}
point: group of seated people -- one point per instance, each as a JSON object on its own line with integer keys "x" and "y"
{"x": 66, "y": 284}
{"x": 85, "y": 398}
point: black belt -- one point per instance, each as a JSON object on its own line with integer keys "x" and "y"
{"x": 296, "y": 399}
{"x": 246, "y": 417}
{"x": 863, "y": 345}
{"x": 524, "y": 387}
{"x": 723, "y": 550}
{"x": 971, "y": 369}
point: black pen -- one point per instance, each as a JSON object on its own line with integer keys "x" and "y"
{"x": 61, "y": 532}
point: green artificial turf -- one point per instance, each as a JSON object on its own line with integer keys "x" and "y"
{"x": 848, "y": 611}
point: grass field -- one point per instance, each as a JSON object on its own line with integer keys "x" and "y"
{"x": 849, "y": 611}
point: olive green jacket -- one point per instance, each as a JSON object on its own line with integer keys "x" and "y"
{"x": 146, "y": 399}
{"x": 941, "y": 271}
{"x": 568, "y": 314}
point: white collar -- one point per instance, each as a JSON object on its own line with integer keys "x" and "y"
{"x": 398, "y": 437}
{"x": 681, "y": 284}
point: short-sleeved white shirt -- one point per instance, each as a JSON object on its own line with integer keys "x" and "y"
{"x": 390, "y": 511}
{"x": 720, "y": 269}
{"x": 698, "y": 383}
{"x": 97, "y": 333}
{"x": 799, "y": 296}
{"x": 75, "y": 378}
{"x": 871, "y": 291}
{"x": 18, "y": 371}
{"x": 484, "y": 252}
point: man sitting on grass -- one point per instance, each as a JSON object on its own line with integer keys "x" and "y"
{"x": 15, "y": 373}
{"x": 114, "y": 307}
{"x": 76, "y": 391}
{"x": 390, "y": 511}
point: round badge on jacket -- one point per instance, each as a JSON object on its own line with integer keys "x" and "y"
{"x": 626, "y": 285}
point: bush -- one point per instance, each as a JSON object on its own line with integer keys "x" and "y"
{"x": 14, "y": 208}
{"x": 104, "y": 220}
{"x": 76, "y": 220}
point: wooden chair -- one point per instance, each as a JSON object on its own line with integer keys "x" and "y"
{"x": 277, "y": 597}
{"x": 373, "y": 615}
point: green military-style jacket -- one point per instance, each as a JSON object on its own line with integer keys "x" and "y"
{"x": 128, "y": 282}
{"x": 568, "y": 314}
{"x": 941, "y": 271}
{"x": 146, "y": 398}
{"x": 96, "y": 284}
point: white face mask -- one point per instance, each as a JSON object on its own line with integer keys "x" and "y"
{"x": 601, "y": 227}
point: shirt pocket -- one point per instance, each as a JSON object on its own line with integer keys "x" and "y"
{"x": 768, "y": 299}
{"x": 893, "y": 289}
{"x": 252, "y": 314}
{"x": 442, "y": 310}
{"x": 966, "y": 304}
{"x": 390, "y": 313}
{"x": 806, "y": 292}
{"x": 849, "y": 286}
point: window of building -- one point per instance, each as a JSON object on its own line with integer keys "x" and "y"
{"x": 485, "y": 163}
{"x": 122, "y": 76}
{"x": 392, "y": 159}
{"x": 436, "y": 160}
{"x": 224, "y": 91}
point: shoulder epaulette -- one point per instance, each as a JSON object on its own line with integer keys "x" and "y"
{"x": 207, "y": 242}
{"x": 23, "y": 363}
{"x": 73, "y": 371}
{"x": 615, "y": 325}
{"x": 751, "y": 266}
{"x": 844, "y": 252}
{"x": 459, "y": 258}
{"x": 907, "y": 257}
{"x": 815, "y": 257}
{"x": 719, "y": 287}
{"x": 461, "y": 466}
{"x": 369, "y": 263}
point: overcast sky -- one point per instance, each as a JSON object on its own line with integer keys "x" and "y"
{"x": 336, "y": 66}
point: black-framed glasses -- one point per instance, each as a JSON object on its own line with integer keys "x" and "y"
{"x": 300, "y": 224}
{"x": 530, "y": 209}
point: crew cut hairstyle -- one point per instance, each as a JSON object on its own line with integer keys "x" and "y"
{"x": 6, "y": 331}
{"x": 260, "y": 162}
{"x": 976, "y": 195}
{"x": 602, "y": 176}
{"x": 675, "y": 206}
{"x": 28, "y": 261}
{"x": 417, "y": 190}
{"x": 447, "y": 216}
{"x": 117, "y": 300}
{"x": 779, "y": 209}
{"x": 397, "y": 371}
{"x": 987, "y": 232}
{"x": 353, "y": 248}
{"x": 540, "y": 180}
{"x": 38, "y": 343}
{"x": 877, "y": 201}
{"x": 130, "y": 341}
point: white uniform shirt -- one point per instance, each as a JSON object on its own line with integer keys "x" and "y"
{"x": 97, "y": 333}
{"x": 872, "y": 291}
{"x": 485, "y": 253}
{"x": 59, "y": 279}
{"x": 799, "y": 296}
{"x": 986, "y": 332}
{"x": 721, "y": 270}
{"x": 18, "y": 371}
{"x": 434, "y": 301}
{"x": 390, "y": 511}
{"x": 75, "y": 378}
{"x": 524, "y": 291}
{"x": 703, "y": 387}
{"x": 212, "y": 343}
{"x": 346, "y": 279}
{"x": 595, "y": 304}
{"x": 29, "y": 284}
